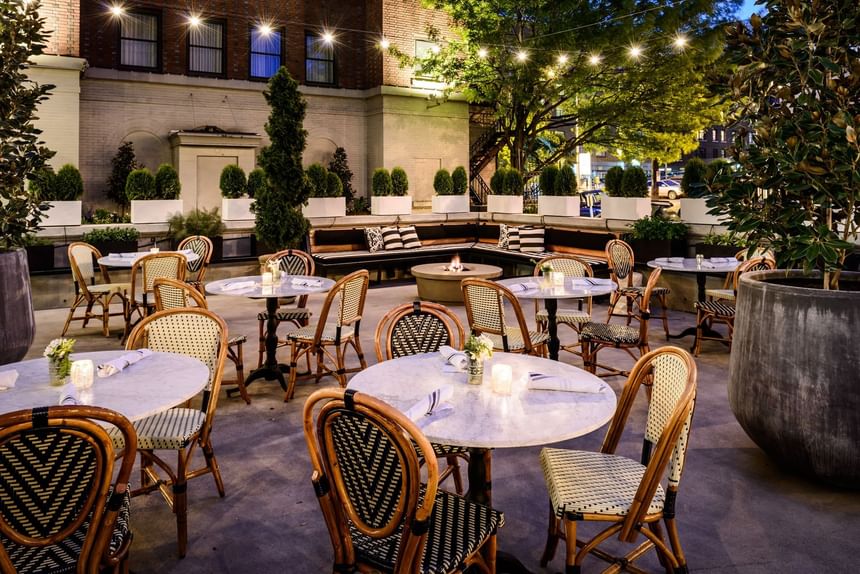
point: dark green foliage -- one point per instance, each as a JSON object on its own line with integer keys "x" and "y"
{"x": 513, "y": 182}
{"x": 167, "y": 184}
{"x": 42, "y": 183}
{"x": 613, "y": 181}
{"x": 256, "y": 182}
{"x": 399, "y": 182}
{"x": 340, "y": 165}
{"x": 460, "y": 180}
{"x": 233, "y": 182}
{"x": 279, "y": 220}
{"x": 68, "y": 185}
{"x": 497, "y": 181}
{"x": 693, "y": 181}
{"x": 103, "y": 216}
{"x": 111, "y": 234}
{"x": 317, "y": 176}
{"x": 548, "y": 175}
{"x": 381, "y": 184}
{"x": 333, "y": 185}
{"x": 658, "y": 228}
{"x": 21, "y": 152}
{"x": 634, "y": 183}
{"x": 140, "y": 185}
{"x": 122, "y": 164}
{"x": 196, "y": 222}
{"x": 565, "y": 183}
{"x": 358, "y": 206}
{"x": 718, "y": 166}
{"x": 727, "y": 239}
{"x": 443, "y": 183}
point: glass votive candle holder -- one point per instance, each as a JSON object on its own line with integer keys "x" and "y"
{"x": 267, "y": 278}
{"x": 557, "y": 278}
{"x": 699, "y": 260}
{"x": 81, "y": 373}
{"x": 154, "y": 250}
{"x": 502, "y": 377}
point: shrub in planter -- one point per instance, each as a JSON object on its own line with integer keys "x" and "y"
{"x": 399, "y": 182}
{"x": 497, "y": 181}
{"x": 459, "y": 180}
{"x": 612, "y": 184}
{"x": 558, "y": 192}
{"x": 140, "y": 185}
{"x": 167, "y": 184}
{"x": 199, "y": 222}
{"x": 450, "y": 194}
{"x": 513, "y": 182}
{"x": 122, "y": 164}
{"x": 256, "y": 182}
{"x": 721, "y": 245}
{"x": 233, "y": 183}
{"x": 507, "y": 187}
{"x": 333, "y": 185}
{"x": 653, "y": 237}
{"x": 339, "y": 165}
{"x": 317, "y": 176}
{"x": 693, "y": 181}
{"x": 68, "y": 185}
{"x": 113, "y": 239}
{"x": 634, "y": 183}
{"x": 381, "y": 185}
{"x": 565, "y": 183}
{"x": 443, "y": 183}
{"x": 548, "y": 175}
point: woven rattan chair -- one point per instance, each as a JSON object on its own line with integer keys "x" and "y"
{"x": 82, "y": 258}
{"x": 722, "y": 311}
{"x": 291, "y": 262}
{"x": 727, "y": 292}
{"x": 485, "y": 308}
{"x": 196, "y": 270}
{"x": 201, "y": 334}
{"x": 329, "y": 339}
{"x": 597, "y": 336}
{"x": 423, "y": 327}
{"x": 64, "y": 504}
{"x": 623, "y": 492}
{"x": 172, "y": 294}
{"x": 574, "y": 318}
{"x": 380, "y": 516}
{"x": 620, "y": 257}
{"x": 144, "y": 272}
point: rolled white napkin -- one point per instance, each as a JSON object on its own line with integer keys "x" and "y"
{"x": 430, "y": 404}
{"x": 302, "y": 282}
{"x": 719, "y": 259}
{"x": 7, "y": 379}
{"x": 524, "y": 286}
{"x": 709, "y": 265}
{"x": 68, "y": 395}
{"x": 236, "y": 285}
{"x": 541, "y": 382}
{"x": 186, "y": 251}
{"x": 456, "y": 358}
{"x": 120, "y": 363}
{"x": 676, "y": 259}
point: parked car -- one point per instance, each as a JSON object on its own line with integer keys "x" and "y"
{"x": 669, "y": 188}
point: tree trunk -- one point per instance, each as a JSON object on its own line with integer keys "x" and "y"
{"x": 655, "y": 172}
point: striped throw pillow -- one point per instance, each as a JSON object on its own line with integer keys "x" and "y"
{"x": 374, "y": 239}
{"x": 391, "y": 238}
{"x": 410, "y": 237}
{"x": 505, "y": 232}
{"x": 514, "y": 238}
{"x": 531, "y": 239}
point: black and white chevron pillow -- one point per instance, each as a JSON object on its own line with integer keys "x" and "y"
{"x": 410, "y": 237}
{"x": 373, "y": 235}
{"x": 391, "y": 238}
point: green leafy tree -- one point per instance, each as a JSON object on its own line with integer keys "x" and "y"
{"x": 42, "y": 183}
{"x": 634, "y": 183}
{"x": 167, "y": 185}
{"x": 122, "y": 164}
{"x": 256, "y": 182}
{"x": 339, "y": 164}
{"x": 693, "y": 181}
{"x": 333, "y": 185}
{"x": 715, "y": 167}
{"x": 548, "y": 175}
{"x": 381, "y": 184}
{"x": 140, "y": 185}
{"x": 233, "y": 182}
{"x": 279, "y": 220}
{"x": 565, "y": 183}
{"x": 21, "y": 152}
{"x": 459, "y": 180}
{"x": 443, "y": 183}
{"x": 399, "y": 182}
{"x": 614, "y": 175}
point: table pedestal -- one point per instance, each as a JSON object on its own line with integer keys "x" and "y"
{"x": 551, "y": 306}
{"x": 701, "y": 277}
{"x": 271, "y": 369}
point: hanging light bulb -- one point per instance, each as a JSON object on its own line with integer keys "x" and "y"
{"x": 522, "y": 56}
{"x": 115, "y": 10}
{"x": 594, "y": 59}
{"x": 264, "y": 29}
{"x": 327, "y": 37}
{"x": 482, "y": 53}
{"x": 384, "y": 44}
{"x": 680, "y": 41}
{"x": 562, "y": 59}
{"x": 194, "y": 21}
{"x": 635, "y": 51}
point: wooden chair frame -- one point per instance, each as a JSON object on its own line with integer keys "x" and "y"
{"x": 638, "y": 520}
{"x": 199, "y": 266}
{"x": 587, "y": 271}
{"x": 147, "y": 278}
{"x": 620, "y": 274}
{"x": 109, "y": 484}
{"x": 505, "y": 295}
{"x": 83, "y": 294}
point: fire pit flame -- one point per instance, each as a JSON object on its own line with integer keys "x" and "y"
{"x": 455, "y": 265}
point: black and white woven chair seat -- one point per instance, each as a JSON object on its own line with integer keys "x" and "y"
{"x": 296, "y": 313}
{"x": 584, "y": 482}
{"x": 457, "y": 528}
{"x": 236, "y": 339}
{"x": 727, "y": 294}
{"x": 168, "y": 430}
{"x": 515, "y": 339}
{"x": 717, "y": 308}
{"x": 638, "y": 290}
{"x": 568, "y": 316}
{"x": 328, "y": 334}
{"x": 62, "y": 558}
{"x": 611, "y": 333}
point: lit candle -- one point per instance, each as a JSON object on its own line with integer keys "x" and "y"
{"x": 267, "y": 278}
{"x": 557, "y": 278}
{"x": 502, "y": 376}
{"x": 153, "y": 250}
{"x": 82, "y": 373}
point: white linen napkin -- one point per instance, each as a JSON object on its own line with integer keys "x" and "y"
{"x": 708, "y": 265}
{"x": 719, "y": 259}
{"x": 236, "y": 285}
{"x": 186, "y": 251}
{"x": 120, "y": 363}
{"x": 68, "y": 395}
{"x": 455, "y": 358}
{"x": 430, "y": 404}
{"x": 676, "y": 260}
{"x": 524, "y": 286}
{"x": 7, "y": 379}
{"x": 301, "y": 282}
{"x": 541, "y": 382}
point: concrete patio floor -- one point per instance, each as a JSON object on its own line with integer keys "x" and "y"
{"x": 737, "y": 511}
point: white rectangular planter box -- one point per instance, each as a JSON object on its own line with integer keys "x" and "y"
{"x": 504, "y": 203}
{"x": 629, "y": 208}
{"x": 62, "y": 213}
{"x": 325, "y": 207}
{"x": 450, "y": 204}
{"x": 238, "y": 209}
{"x": 695, "y": 210}
{"x": 154, "y": 210}
{"x": 391, "y": 205}
{"x": 567, "y": 205}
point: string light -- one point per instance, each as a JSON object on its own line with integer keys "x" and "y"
{"x": 384, "y": 44}
{"x": 115, "y": 10}
{"x": 594, "y": 59}
{"x": 327, "y": 37}
{"x": 680, "y": 41}
{"x": 522, "y": 56}
{"x": 194, "y": 21}
{"x": 264, "y": 29}
{"x": 635, "y": 51}
{"x": 562, "y": 59}
{"x": 482, "y": 53}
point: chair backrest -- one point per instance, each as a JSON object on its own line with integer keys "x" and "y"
{"x": 670, "y": 374}
{"x": 485, "y": 309}
{"x": 571, "y": 267}
{"x": 194, "y": 332}
{"x": 754, "y": 264}
{"x": 644, "y": 303}
{"x": 171, "y": 294}
{"x": 367, "y": 473}
{"x": 155, "y": 265}
{"x": 294, "y": 262}
{"x": 347, "y": 296}
{"x": 619, "y": 255}
{"x": 418, "y": 327}
{"x": 202, "y": 246}
{"x": 57, "y": 468}
{"x": 82, "y": 258}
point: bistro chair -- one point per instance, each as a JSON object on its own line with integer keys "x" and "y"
{"x": 329, "y": 339}
{"x": 574, "y": 318}
{"x": 423, "y": 327}
{"x": 291, "y": 262}
{"x": 64, "y": 503}
{"x": 144, "y": 272}
{"x": 82, "y": 258}
{"x": 485, "y": 308}
{"x": 626, "y": 493}
{"x": 727, "y": 291}
{"x": 621, "y": 262}
{"x": 196, "y": 270}
{"x": 201, "y": 334}
{"x": 722, "y": 311}
{"x": 171, "y": 294}
{"x": 597, "y": 336}
{"x": 366, "y": 459}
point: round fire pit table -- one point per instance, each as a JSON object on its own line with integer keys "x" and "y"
{"x": 437, "y": 284}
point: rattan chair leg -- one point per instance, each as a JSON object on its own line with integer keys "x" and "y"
{"x": 700, "y": 318}
{"x": 661, "y": 549}
{"x": 552, "y": 536}
{"x": 212, "y": 466}
{"x": 340, "y": 365}
{"x": 572, "y": 561}
{"x": 613, "y": 300}
{"x": 665, "y": 317}
{"x": 235, "y": 354}
{"x": 295, "y": 353}
{"x": 356, "y": 344}
{"x": 454, "y": 466}
{"x": 71, "y": 316}
{"x": 675, "y": 541}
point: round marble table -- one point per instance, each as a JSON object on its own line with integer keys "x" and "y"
{"x": 436, "y": 283}
{"x": 127, "y": 259}
{"x": 541, "y": 288}
{"x": 148, "y": 387}
{"x": 252, "y": 286}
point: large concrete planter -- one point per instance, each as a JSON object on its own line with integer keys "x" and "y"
{"x": 695, "y": 210}
{"x": 558, "y": 205}
{"x": 391, "y": 205}
{"x": 326, "y": 207}
{"x": 17, "y": 324}
{"x": 504, "y": 203}
{"x": 450, "y": 204}
{"x": 62, "y": 213}
{"x": 628, "y": 208}
{"x": 238, "y": 209}
{"x": 795, "y": 372}
{"x": 154, "y": 210}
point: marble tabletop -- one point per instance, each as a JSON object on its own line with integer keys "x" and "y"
{"x": 573, "y": 287}
{"x": 252, "y": 286}
{"x": 481, "y": 418}
{"x": 690, "y": 264}
{"x": 150, "y": 386}
{"x": 128, "y": 259}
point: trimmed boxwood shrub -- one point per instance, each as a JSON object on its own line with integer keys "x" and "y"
{"x": 399, "y": 182}
{"x": 548, "y": 175}
{"x": 317, "y": 176}
{"x": 381, "y": 182}
{"x": 513, "y": 182}
{"x": 693, "y": 181}
{"x": 68, "y": 185}
{"x": 460, "y": 180}
{"x": 256, "y": 181}
{"x": 233, "y": 182}
{"x": 140, "y": 185}
{"x": 167, "y": 184}
{"x": 497, "y": 182}
{"x": 333, "y": 185}
{"x": 565, "y": 183}
{"x": 634, "y": 183}
{"x": 613, "y": 181}
{"x": 443, "y": 183}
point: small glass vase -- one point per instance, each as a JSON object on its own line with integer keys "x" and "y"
{"x": 475, "y": 371}
{"x": 58, "y": 370}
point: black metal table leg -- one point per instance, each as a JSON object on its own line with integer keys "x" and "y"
{"x": 552, "y": 327}
{"x": 701, "y": 277}
{"x": 271, "y": 369}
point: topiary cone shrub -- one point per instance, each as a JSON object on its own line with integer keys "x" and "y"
{"x": 443, "y": 183}
{"x": 399, "y": 182}
{"x": 167, "y": 184}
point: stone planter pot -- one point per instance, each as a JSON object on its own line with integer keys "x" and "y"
{"x": 40, "y": 257}
{"x": 450, "y": 204}
{"x": 327, "y": 207}
{"x": 558, "y": 205}
{"x": 794, "y": 372}
{"x": 238, "y": 209}
{"x": 17, "y": 323}
{"x": 696, "y": 211}
{"x": 154, "y": 210}
{"x": 504, "y": 203}
{"x": 391, "y": 205}
{"x": 62, "y": 213}
{"x": 629, "y": 208}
